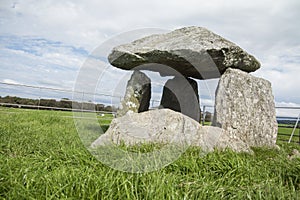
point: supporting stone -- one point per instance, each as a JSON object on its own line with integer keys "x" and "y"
{"x": 137, "y": 96}
{"x": 245, "y": 108}
{"x": 165, "y": 126}
{"x": 181, "y": 94}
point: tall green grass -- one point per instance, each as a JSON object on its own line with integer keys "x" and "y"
{"x": 42, "y": 157}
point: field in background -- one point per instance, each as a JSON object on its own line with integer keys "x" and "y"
{"x": 42, "y": 157}
{"x": 285, "y": 131}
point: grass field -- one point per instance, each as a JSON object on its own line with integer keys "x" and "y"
{"x": 285, "y": 132}
{"x": 42, "y": 157}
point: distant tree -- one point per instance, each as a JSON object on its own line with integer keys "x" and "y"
{"x": 48, "y": 102}
{"x": 100, "y": 107}
{"x": 108, "y": 108}
{"x": 208, "y": 117}
{"x": 64, "y": 103}
{"x": 88, "y": 106}
{"x": 65, "y": 99}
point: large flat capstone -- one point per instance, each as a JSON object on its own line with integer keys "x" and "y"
{"x": 245, "y": 108}
{"x": 192, "y": 51}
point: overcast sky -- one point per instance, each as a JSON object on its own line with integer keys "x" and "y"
{"x": 44, "y": 43}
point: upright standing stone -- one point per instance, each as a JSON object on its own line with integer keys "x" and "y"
{"x": 137, "y": 96}
{"x": 181, "y": 94}
{"x": 245, "y": 108}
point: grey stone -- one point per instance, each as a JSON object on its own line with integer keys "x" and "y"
{"x": 245, "y": 108}
{"x": 165, "y": 126}
{"x": 181, "y": 94}
{"x": 294, "y": 154}
{"x": 236, "y": 144}
{"x": 192, "y": 51}
{"x": 137, "y": 96}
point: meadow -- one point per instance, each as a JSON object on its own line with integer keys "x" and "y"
{"x": 42, "y": 157}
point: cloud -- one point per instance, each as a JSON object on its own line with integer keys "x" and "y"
{"x": 281, "y": 68}
{"x": 46, "y": 42}
{"x": 9, "y": 81}
{"x": 36, "y": 61}
{"x": 285, "y": 109}
{"x": 87, "y": 24}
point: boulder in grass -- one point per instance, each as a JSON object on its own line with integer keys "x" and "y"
{"x": 165, "y": 126}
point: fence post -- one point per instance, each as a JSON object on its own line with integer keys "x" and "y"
{"x": 203, "y": 115}
{"x": 295, "y": 127}
{"x": 39, "y": 98}
{"x": 82, "y": 99}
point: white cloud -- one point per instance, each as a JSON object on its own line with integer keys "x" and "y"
{"x": 87, "y": 23}
{"x": 46, "y": 42}
{"x": 37, "y": 61}
{"x": 9, "y": 81}
{"x": 285, "y": 109}
{"x": 281, "y": 68}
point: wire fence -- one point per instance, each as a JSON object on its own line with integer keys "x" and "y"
{"x": 289, "y": 129}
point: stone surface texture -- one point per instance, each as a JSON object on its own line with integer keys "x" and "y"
{"x": 166, "y": 126}
{"x": 294, "y": 154}
{"x": 137, "y": 96}
{"x": 181, "y": 94}
{"x": 245, "y": 108}
{"x": 192, "y": 51}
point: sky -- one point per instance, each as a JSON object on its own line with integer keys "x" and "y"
{"x": 45, "y": 43}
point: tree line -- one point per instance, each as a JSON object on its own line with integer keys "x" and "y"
{"x": 64, "y": 103}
